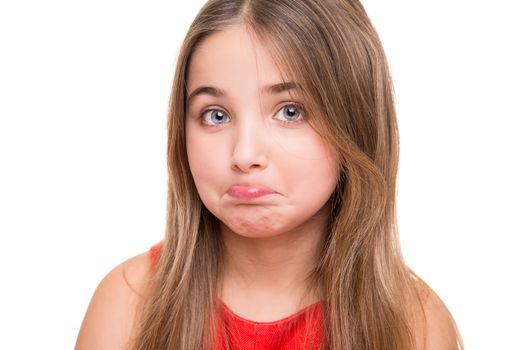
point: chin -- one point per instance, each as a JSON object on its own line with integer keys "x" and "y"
{"x": 252, "y": 229}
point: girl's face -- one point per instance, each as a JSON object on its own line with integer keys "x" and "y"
{"x": 257, "y": 164}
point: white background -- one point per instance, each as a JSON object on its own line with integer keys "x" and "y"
{"x": 84, "y": 90}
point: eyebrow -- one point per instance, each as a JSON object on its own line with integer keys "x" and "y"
{"x": 216, "y": 92}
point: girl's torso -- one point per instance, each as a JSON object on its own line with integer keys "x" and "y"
{"x": 301, "y": 330}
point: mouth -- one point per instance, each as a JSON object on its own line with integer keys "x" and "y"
{"x": 249, "y": 192}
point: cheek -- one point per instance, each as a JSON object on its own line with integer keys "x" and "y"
{"x": 313, "y": 182}
{"x": 301, "y": 143}
{"x": 207, "y": 159}
{"x": 312, "y": 175}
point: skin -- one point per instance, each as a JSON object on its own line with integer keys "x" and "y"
{"x": 270, "y": 243}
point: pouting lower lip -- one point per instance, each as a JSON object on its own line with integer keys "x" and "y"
{"x": 248, "y": 192}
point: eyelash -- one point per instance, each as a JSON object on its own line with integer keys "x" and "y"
{"x": 295, "y": 105}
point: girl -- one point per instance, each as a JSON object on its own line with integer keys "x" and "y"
{"x": 281, "y": 227}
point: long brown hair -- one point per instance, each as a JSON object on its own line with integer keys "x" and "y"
{"x": 338, "y": 61}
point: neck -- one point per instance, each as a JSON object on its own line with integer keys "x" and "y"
{"x": 272, "y": 269}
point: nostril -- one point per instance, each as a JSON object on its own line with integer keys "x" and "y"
{"x": 246, "y": 167}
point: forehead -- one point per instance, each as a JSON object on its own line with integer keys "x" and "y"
{"x": 232, "y": 58}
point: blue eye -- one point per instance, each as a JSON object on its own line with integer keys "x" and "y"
{"x": 290, "y": 114}
{"x": 214, "y": 117}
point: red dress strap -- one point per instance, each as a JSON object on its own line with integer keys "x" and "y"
{"x": 154, "y": 253}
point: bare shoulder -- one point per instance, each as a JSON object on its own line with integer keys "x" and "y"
{"x": 435, "y": 327}
{"x": 109, "y": 322}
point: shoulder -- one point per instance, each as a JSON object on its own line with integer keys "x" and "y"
{"x": 109, "y": 322}
{"x": 435, "y": 327}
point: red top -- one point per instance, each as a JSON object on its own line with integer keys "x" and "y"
{"x": 290, "y": 333}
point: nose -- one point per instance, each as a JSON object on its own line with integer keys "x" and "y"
{"x": 250, "y": 147}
